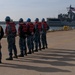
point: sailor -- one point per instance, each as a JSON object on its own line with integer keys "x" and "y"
{"x": 38, "y": 29}
{"x": 30, "y": 36}
{"x": 45, "y": 28}
{"x": 1, "y": 36}
{"x": 22, "y": 31}
{"x": 10, "y": 34}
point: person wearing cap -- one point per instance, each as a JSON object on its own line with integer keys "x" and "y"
{"x": 45, "y": 28}
{"x": 10, "y": 32}
{"x": 30, "y": 35}
{"x": 22, "y": 31}
{"x": 38, "y": 29}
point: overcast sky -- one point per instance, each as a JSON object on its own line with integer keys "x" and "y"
{"x": 33, "y": 8}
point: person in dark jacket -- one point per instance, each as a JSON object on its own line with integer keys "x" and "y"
{"x": 45, "y": 28}
{"x": 1, "y": 35}
{"x": 10, "y": 32}
{"x": 30, "y": 36}
{"x": 22, "y": 31}
{"x": 38, "y": 29}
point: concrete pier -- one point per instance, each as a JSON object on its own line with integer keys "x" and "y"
{"x": 58, "y": 59}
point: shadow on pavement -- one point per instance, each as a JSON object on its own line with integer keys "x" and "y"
{"x": 39, "y": 69}
{"x": 54, "y": 57}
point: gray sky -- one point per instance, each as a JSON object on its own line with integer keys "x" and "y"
{"x": 33, "y": 8}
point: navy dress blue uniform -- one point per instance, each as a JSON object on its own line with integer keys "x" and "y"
{"x": 1, "y": 35}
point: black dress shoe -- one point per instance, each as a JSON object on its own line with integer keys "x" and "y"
{"x": 32, "y": 51}
{"x": 21, "y": 55}
{"x": 29, "y": 53}
{"x": 15, "y": 56}
{"x": 0, "y": 62}
{"x": 25, "y": 54}
{"x": 46, "y": 47}
{"x": 40, "y": 49}
{"x": 43, "y": 48}
{"x": 9, "y": 58}
{"x": 36, "y": 50}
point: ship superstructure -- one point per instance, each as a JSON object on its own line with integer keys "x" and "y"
{"x": 63, "y": 19}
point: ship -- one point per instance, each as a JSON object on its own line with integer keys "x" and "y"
{"x": 63, "y": 19}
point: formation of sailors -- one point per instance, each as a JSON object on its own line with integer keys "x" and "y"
{"x": 31, "y": 36}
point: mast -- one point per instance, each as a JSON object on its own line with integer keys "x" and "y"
{"x": 71, "y": 14}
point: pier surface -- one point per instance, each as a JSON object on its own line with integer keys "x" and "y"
{"x": 58, "y": 59}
